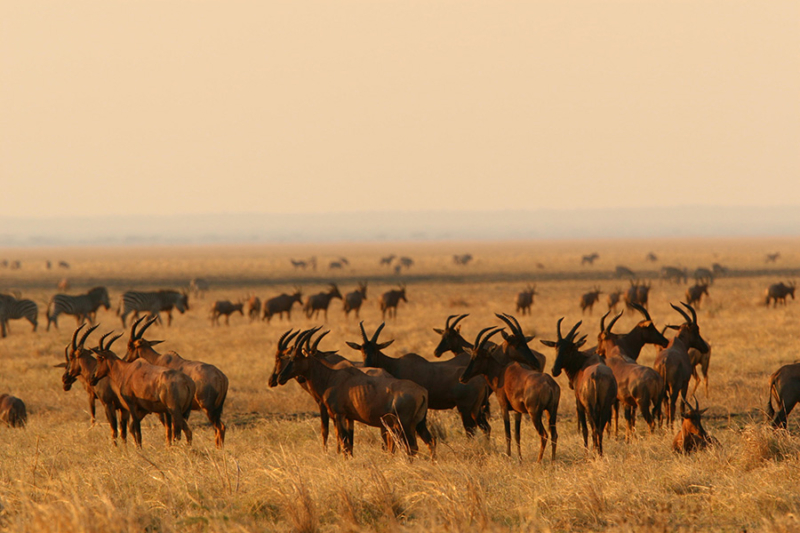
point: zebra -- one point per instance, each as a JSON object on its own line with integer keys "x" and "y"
{"x": 152, "y": 303}
{"x": 12, "y": 309}
{"x": 83, "y": 307}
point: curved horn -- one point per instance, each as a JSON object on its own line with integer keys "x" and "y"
{"x": 478, "y": 341}
{"x": 75, "y": 337}
{"x": 571, "y": 335}
{"x": 641, "y": 310}
{"x": 682, "y": 312}
{"x": 696, "y": 403}
{"x": 283, "y": 338}
{"x": 516, "y": 322}
{"x": 603, "y": 321}
{"x": 102, "y": 339}
{"x": 108, "y": 346}
{"x": 690, "y": 308}
{"x": 363, "y": 332}
{"x": 134, "y": 325}
{"x": 514, "y": 327}
{"x": 459, "y": 319}
{"x": 290, "y": 337}
{"x": 298, "y": 347}
{"x": 447, "y": 322}
{"x": 147, "y": 325}
{"x": 85, "y": 335}
{"x": 487, "y": 337}
{"x": 307, "y": 338}
{"x": 316, "y": 342}
{"x": 614, "y": 321}
{"x": 378, "y": 332}
{"x": 558, "y": 328}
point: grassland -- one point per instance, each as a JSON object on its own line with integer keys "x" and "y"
{"x": 60, "y": 474}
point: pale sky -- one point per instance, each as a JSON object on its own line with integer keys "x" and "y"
{"x": 297, "y": 106}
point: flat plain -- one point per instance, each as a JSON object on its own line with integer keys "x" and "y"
{"x": 61, "y": 474}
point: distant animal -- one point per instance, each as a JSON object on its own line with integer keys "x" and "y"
{"x": 784, "y": 388}
{"x": 406, "y": 262}
{"x": 590, "y": 259}
{"x": 198, "y": 287}
{"x": 63, "y": 264}
{"x": 389, "y": 301}
{"x": 777, "y": 292}
{"x": 63, "y": 285}
{"x": 354, "y": 299}
{"x": 719, "y": 270}
{"x": 4, "y": 263}
{"x": 695, "y": 293}
{"x": 702, "y": 359}
{"x": 335, "y": 265}
{"x": 651, "y": 257}
{"x": 671, "y": 273}
{"x": 772, "y": 258}
{"x": 613, "y": 300}
{"x": 462, "y": 259}
{"x": 282, "y": 304}
{"x": 588, "y": 299}
{"x": 13, "y": 309}
{"x": 540, "y": 266}
{"x": 12, "y": 411}
{"x": 299, "y": 264}
{"x": 82, "y": 307}
{"x": 152, "y": 303}
{"x": 387, "y": 260}
{"x": 525, "y": 299}
{"x": 15, "y": 265}
{"x": 227, "y": 308}
{"x": 320, "y": 301}
{"x": 637, "y": 293}
{"x": 623, "y": 272}
{"x": 692, "y": 437}
{"x": 48, "y": 264}
{"x": 704, "y": 275}
{"x": 253, "y": 307}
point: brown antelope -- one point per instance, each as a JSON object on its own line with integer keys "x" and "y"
{"x": 353, "y": 300}
{"x": 613, "y": 300}
{"x": 63, "y": 285}
{"x": 320, "y": 301}
{"x": 784, "y": 388}
{"x": 692, "y": 437}
{"x": 253, "y": 308}
{"x": 593, "y": 382}
{"x": 282, "y": 304}
{"x": 12, "y": 411}
{"x": 399, "y": 407}
{"x": 143, "y": 388}
{"x": 462, "y": 259}
{"x": 440, "y": 378}
{"x": 80, "y": 365}
{"x": 695, "y": 293}
{"x": 637, "y": 386}
{"x": 644, "y": 332}
{"x": 227, "y": 308}
{"x": 674, "y": 363}
{"x": 389, "y": 301}
{"x": 209, "y": 384}
{"x": 590, "y": 259}
{"x": 778, "y": 292}
{"x": 517, "y": 388}
{"x": 588, "y": 300}
{"x": 696, "y": 357}
{"x": 525, "y": 299}
{"x": 637, "y": 293}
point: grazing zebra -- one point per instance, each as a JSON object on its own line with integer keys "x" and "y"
{"x": 152, "y": 303}
{"x": 12, "y": 309}
{"x": 82, "y": 307}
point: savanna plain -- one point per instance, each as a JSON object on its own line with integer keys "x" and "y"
{"x": 62, "y": 474}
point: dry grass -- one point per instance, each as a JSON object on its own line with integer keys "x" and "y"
{"x": 59, "y": 474}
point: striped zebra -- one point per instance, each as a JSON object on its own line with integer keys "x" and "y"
{"x": 152, "y": 303}
{"x": 12, "y": 309}
{"x": 82, "y": 307}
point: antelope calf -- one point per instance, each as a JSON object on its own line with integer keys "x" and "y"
{"x": 389, "y": 301}
{"x": 588, "y": 300}
{"x": 12, "y": 411}
{"x": 692, "y": 437}
{"x": 354, "y": 299}
{"x": 227, "y": 308}
{"x": 525, "y": 299}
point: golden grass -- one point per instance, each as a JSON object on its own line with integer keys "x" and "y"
{"x": 62, "y": 475}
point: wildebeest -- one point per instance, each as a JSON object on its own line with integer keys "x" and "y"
{"x": 282, "y": 304}
{"x": 784, "y": 388}
{"x": 593, "y": 382}
{"x": 389, "y": 301}
{"x": 209, "y": 383}
{"x": 674, "y": 363}
{"x": 777, "y": 292}
{"x": 772, "y": 258}
{"x": 624, "y": 272}
{"x": 695, "y": 293}
{"x": 82, "y": 307}
{"x": 613, "y": 299}
{"x": 12, "y": 411}
{"x": 13, "y": 309}
{"x": 462, "y": 259}
{"x": 227, "y": 308}
{"x": 517, "y": 388}
{"x": 703, "y": 276}
{"x": 320, "y": 301}
{"x": 590, "y": 259}
{"x": 672, "y": 273}
{"x": 199, "y": 287}
{"x": 354, "y": 299}
{"x": 152, "y": 303}
{"x": 588, "y": 300}
{"x": 525, "y": 299}
{"x": 396, "y": 406}
{"x": 692, "y": 436}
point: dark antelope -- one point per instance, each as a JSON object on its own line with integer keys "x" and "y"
{"x": 525, "y": 299}
{"x": 593, "y": 382}
{"x": 320, "y": 301}
{"x": 354, "y": 299}
{"x": 389, "y": 301}
{"x": 784, "y": 388}
{"x": 282, "y": 304}
{"x": 588, "y": 300}
{"x": 613, "y": 300}
{"x": 692, "y": 437}
{"x": 518, "y": 389}
{"x": 695, "y": 293}
{"x": 777, "y": 292}
{"x": 227, "y": 308}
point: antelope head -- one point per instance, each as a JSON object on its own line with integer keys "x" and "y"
{"x": 104, "y": 357}
{"x": 370, "y": 348}
{"x": 451, "y": 340}
{"x": 282, "y": 356}
{"x": 479, "y": 355}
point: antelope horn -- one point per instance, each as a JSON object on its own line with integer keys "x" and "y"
{"x": 486, "y": 338}
{"x": 642, "y": 310}
{"x": 134, "y": 325}
{"x": 85, "y": 335}
{"x": 316, "y": 342}
{"x": 571, "y": 335}
{"x": 378, "y": 332}
{"x": 696, "y": 403}
{"x": 290, "y": 337}
{"x": 298, "y": 347}
{"x": 66, "y": 353}
{"x": 558, "y": 328}
{"x": 516, "y": 322}
{"x": 363, "y": 333}
{"x": 459, "y": 319}
{"x": 603, "y": 321}
{"x": 614, "y": 321}
{"x": 513, "y": 327}
{"x": 147, "y": 325}
{"x": 108, "y": 346}
{"x": 694, "y": 314}
{"x": 283, "y": 338}
{"x": 75, "y": 337}
{"x": 103, "y": 338}
{"x": 447, "y": 322}
{"x": 682, "y": 312}
{"x": 478, "y": 341}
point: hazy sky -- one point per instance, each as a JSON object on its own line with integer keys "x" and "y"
{"x": 294, "y": 106}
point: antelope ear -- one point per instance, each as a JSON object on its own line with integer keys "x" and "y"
{"x": 385, "y": 344}
{"x": 673, "y": 327}
{"x": 153, "y": 343}
{"x": 439, "y": 331}
{"x": 60, "y": 365}
{"x": 529, "y": 338}
{"x": 551, "y": 344}
{"x": 354, "y": 345}
{"x": 701, "y": 411}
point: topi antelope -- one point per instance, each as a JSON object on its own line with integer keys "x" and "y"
{"x": 398, "y": 407}
{"x": 778, "y": 292}
{"x": 695, "y": 293}
{"x": 588, "y": 300}
{"x": 784, "y": 388}
{"x": 282, "y": 304}
{"x": 12, "y": 411}
{"x": 692, "y": 437}
{"x": 389, "y": 301}
{"x": 517, "y": 388}
{"x": 209, "y": 384}
{"x": 320, "y": 302}
{"x": 525, "y": 299}
{"x": 637, "y": 293}
{"x": 593, "y": 382}
{"x": 651, "y": 257}
{"x": 227, "y": 308}
{"x": 674, "y": 363}
{"x": 613, "y": 300}
{"x": 354, "y": 299}
{"x": 462, "y": 259}
{"x": 299, "y": 264}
